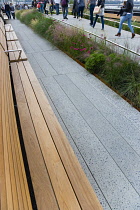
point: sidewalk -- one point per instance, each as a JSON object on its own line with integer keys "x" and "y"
{"x": 103, "y": 129}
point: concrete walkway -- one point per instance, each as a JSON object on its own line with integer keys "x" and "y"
{"x": 102, "y": 128}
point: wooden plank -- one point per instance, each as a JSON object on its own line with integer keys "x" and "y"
{"x": 11, "y": 36}
{"x": 3, "y": 198}
{"x": 14, "y": 170}
{"x": 60, "y": 182}
{"x": 5, "y": 129}
{"x": 14, "y": 45}
{"x": 2, "y": 40}
{"x": 8, "y": 27}
{"x": 76, "y": 175}
{"x": 24, "y": 202}
{"x": 41, "y": 183}
{"x": 2, "y": 27}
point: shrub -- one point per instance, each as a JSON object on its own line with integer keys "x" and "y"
{"x": 95, "y": 62}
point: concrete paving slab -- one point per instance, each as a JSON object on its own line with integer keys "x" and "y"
{"x": 98, "y": 159}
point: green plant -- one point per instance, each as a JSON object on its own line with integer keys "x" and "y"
{"x": 95, "y": 62}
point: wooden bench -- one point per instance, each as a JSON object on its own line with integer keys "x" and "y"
{"x": 57, "y": 177}
{"x": 10, "y": 43}
{"x": 14, "y": 192}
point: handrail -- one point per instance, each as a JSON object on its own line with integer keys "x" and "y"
{"x": 19, "y": 50}
{"x": 104, "y": 39}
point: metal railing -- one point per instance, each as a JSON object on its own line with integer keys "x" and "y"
{"x": 102, "y": 38}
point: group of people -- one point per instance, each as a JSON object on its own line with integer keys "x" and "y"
{"x": 9, "y": 9}
{"x": 126, "y": 13}
{"x": 49, "y": 5}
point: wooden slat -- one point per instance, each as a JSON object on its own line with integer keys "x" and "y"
{"x": 3, "y": 198}
{"x": 13, "y": 56}
{"x": 16, "y": 184}
{"x": 8, "y": 27}
{"x": 44, "y": 194}
{"x": 76, "y": 175}
{"x": 2, "y": 27}
{"x": 5, "y": 129}
{"x": 11, "y": 36}
{"x": 63, "y": 190}
{"x": 3, "y": 40}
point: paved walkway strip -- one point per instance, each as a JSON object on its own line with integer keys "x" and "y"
{"x": 103, "y": 129}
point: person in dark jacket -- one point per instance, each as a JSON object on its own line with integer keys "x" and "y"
{"x": 101, "y": 14}
{"x": 7, "y": 10}
{"x": 64, "y": 5}
{"x": 12, "y": 8}
{"x": 127, "y": 16}
{"x": 121, "y": 10}
{"x": 81, "y": 6}
{"x": 75, "y": 8}
{"x": 91, "y": 8}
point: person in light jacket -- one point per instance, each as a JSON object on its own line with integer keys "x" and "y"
{"x": 101, "y": 14}
{"x": 127, "y": 16}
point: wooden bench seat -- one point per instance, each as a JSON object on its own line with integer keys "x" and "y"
{"x": 58, "y": 179}
{"x": 14, "y": 192}
{"x": 8, "y": 27}
{"x": 14, "y": 47}
{"x": 11, "y": 36}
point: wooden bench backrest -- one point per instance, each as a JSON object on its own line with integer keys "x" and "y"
{"x": 13, "y": 182}
{"x": 2, "y": 35}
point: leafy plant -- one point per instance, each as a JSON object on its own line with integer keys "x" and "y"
{"x": 95, "y": 62}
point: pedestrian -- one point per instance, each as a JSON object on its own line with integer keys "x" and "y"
{"x": 81, "y": 6}
{"x": 38, "y": 6}
{"x": 75, "y": 8}
{"x": 101, "y": 14}
{"x": 42, "y": 6}
{"x": 91, "y": 8}
{"x": 64, "y": 4}
{"x": 12, "y": 8}
{"x": 51, "y": 6}
{"x": 57, "y": 3}
{"x": 7, "y": 10}
{"x": 127, "y": 16}
{"x": 46, "y": 9}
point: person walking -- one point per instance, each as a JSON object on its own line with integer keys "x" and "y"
{"x": 64, "y": 4}
{"x": 57, "y": 3}
{"x": 81, "y": 6}
{"x": 51, "y": 8}
{"x": 75, "y": 8}
{"x": 101, "y": 14}
{"x": 12, "y": 8}
{"x": 91, "y": 8}
{"x": 127, "y": 16}
{"x": 7, "y": 10}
